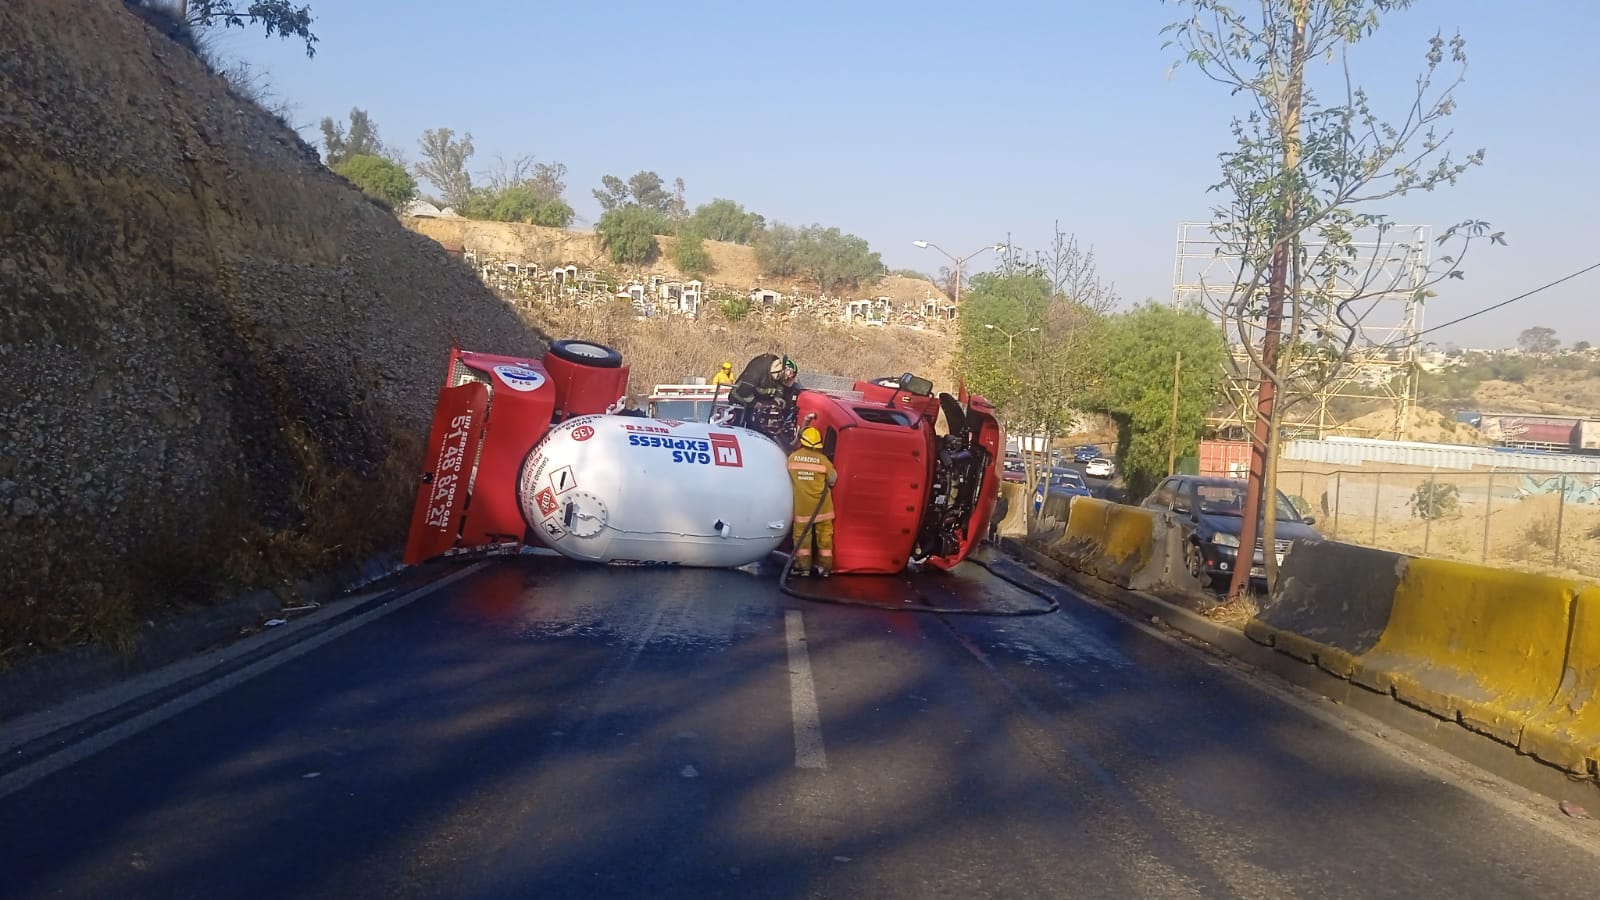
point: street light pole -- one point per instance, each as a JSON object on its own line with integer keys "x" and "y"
{"x": 960, "y": 261}
{"x": 1011, "y": 336}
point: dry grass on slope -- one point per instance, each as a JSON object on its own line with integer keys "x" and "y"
{"x": 1555, "y": 392}
{"x": 672, "y": 350}
{"x": 732, "y": 265}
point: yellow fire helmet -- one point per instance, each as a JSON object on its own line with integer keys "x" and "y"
{"x": 811, "y": 438}
{"x": 727, "y": 367}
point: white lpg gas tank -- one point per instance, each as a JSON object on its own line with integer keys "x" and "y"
{"x": 632, "y": 490}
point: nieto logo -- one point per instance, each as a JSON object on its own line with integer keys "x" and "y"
{"x": 725, "y": 450}
{"x": 582, "y": 433}
{"x": 520, "y": 378}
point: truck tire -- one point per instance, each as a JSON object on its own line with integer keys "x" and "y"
{"x": 586, "y": 353}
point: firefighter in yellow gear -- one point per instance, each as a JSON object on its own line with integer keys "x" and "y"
{"x": 724, "y": 375}
{"x": 811, "y": 474}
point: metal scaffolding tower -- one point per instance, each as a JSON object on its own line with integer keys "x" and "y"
{"x": 1380, "y": 370}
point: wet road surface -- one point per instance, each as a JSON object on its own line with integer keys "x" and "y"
{"x": 540, "y": 729}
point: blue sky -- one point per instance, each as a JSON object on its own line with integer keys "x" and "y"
{"x": 959, "y": 123}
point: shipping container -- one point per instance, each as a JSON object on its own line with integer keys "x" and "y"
{"x": 1224, "y": 459}
{"x": 1351, "y": 452}
{"x": 1541, "y": 431}
{"x": 1586, "y": 437}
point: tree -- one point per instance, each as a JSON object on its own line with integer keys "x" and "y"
{"x": 276, "y": 16}
{"x": 612, "y": 193}
{"x": 554, "y": 214}
{"x": 444, "y": 163}
{"x": 503, "y": 174}
{"x": 1303, "y": 170}
{"x": 1140, "y": 350}
{"x": 1581, "y": 347}
{"x": 1538, "y": 341}
{"x": 339, "y": 145}
{"x": 516, "y": 203}
{"x": 690, "y": 256}
{"x": 628, "y": 234}
{"x": 380, "y": 178}
{"x": 725, "y": 220}
{"x": 520, "y": 191}
{"x": 778, "y": 251}
{"x": 650, "y": 192}
{"x": 1003, "y": 311}
{"x": 1031, "y": 347}
{"x": 549, "y": 181}
{"x": 677, "y": 207}
{"x": 644, "y": 189}
{"x": 832, "y": 258}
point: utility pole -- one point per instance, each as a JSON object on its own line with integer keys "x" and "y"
{"x": 1256, "y": 488}
{"x": 1172, "y": 427}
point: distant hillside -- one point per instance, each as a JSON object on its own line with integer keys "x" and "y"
{"x": 1565, "y": 385}
{"x": 1556, "y": 392}
{"x": 734, "y": 265}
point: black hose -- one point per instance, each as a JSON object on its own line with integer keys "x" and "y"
{"x": 783, "y": 585}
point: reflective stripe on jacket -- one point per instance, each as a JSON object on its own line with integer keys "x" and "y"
{"x": 809, "y": 472}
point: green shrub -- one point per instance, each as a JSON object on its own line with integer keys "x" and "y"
{"x": 629, "y": 234}
{"x": 1434, "y": 500}
{"x": 379, "y": 178}
{"x": 690, "y": 256}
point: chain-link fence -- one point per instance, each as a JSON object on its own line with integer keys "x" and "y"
{"x": 1532, "y": 521}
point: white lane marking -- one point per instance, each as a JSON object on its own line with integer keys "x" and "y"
{"x": 808, "y": 752}
{"x": 93, "y": 744}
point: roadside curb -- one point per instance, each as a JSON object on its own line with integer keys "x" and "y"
{"x": 48, "y": 680}
{"x": 1492, "y": 756}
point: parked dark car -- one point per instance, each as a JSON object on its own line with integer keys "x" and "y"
{"x": 1212, "y": 510}
{"x": 1062, "y": 483}
{"x": 1084, "y": 452}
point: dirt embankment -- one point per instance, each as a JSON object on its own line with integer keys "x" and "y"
{"x": 216, "y": 355}
{"x": 1554, "y": 392}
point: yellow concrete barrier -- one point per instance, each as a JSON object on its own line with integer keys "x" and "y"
{"x": 1474, "y": 643}
{"x": 1129, "y": 539}
{"x": 1567, "y": 734}
{"x": 1331, "y": 604}
{"x": 1086, "y": 521}
{"x": 1125, "y": 545}
{"x": 1016, "y": 499}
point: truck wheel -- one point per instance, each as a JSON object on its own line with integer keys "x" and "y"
{"x": 586, "y": 353}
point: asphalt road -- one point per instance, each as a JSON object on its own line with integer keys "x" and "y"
{"x": 539, "y": 729}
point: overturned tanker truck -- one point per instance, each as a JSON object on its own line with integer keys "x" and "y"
{"x": 541, "y": 453}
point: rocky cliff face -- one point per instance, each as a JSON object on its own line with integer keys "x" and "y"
{"x": 216, "y": 357}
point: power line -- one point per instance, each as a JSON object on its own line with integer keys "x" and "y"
{"x": 1486, "y": 309}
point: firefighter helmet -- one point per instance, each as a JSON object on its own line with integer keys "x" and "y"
{"x": 811, "y": 438}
